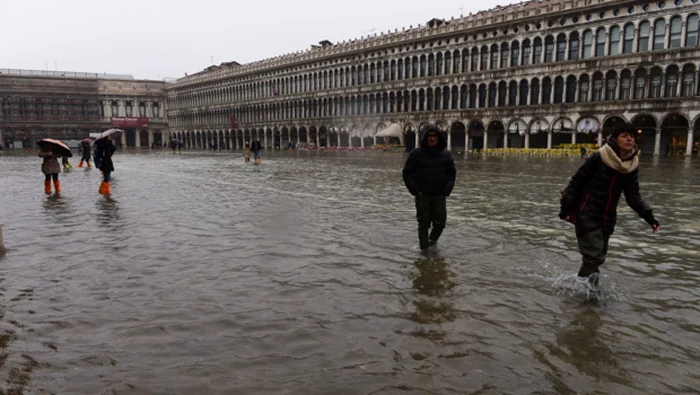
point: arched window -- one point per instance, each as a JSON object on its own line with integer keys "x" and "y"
{"x": 392, "y": 76}
{"x": 492, "y": 94}
{"x": 415, "y": 66}
{"x": 448, "y": 63}
{"x": 527, "y": 52}
{"x": 691, "y": 36}
{"x": 502, "y": 93}
{"x": 484, "y": 58}
{"x": 463, "y": 94}
{"x": 587, "y": 44}
{"x": 610, "y": 85}
{"x": 535, "y": 92}
{"x": 561, "y": 48}
{"x": 655, "y": 83}
{"x": 512, "y": 93}
{"x": 472, "y": 96}
{"x": 643, "y": 37}
{"x": 504, "y": 55}
{"x": 675, "y": 41}
{"x": 549, "y": 49}
{"x": 431, "y": 66}
{"x": 446, "y": 98}
{"x": 628, "y": 45}
{"x": 558, "y": 90}
{"x": 515, "y": 54}
{"x": 687, "y": 87}
{"x": 659, "y": 35}
{"x": 614, "y": 41}
{"x": 456, "y": 59}
{"x": 537, "y": 59}
{"x": 573, "y": 46}
{"x": 455, "y": 98}
{"x": 475, "y": 59}
{"x": 482, "y": 95}
{"x": 399, "y": 69}
{"x": 494, "y": 57}
{"x": 600, "y": 42}
{"x": 584, "y": 89}
{"x": 570, "y": 89}
{"x": 597, "y": 87}
{"x": 671, "y": 82}
{"x": 546, "y": 90}
{"x": 625, "y": 85}
{"x": 640, "y": 84}
{"x": 524, "y": 89}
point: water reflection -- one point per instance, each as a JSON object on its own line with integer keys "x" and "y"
{"x": 582, "y": 345}
{"x": 432, "y": 282}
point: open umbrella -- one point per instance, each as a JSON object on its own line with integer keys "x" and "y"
{"x": 108, "y": 133}
{"x": 55, "y": 146}
{"x": 87, "y": 141}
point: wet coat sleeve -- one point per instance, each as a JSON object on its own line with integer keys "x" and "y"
{"x": 577, "y": 185}
{"x": 409, "y": 170}
{"x": 451, "y": 174}
{"x": 634, "y": 198}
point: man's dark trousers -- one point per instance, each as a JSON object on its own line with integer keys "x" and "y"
{"x": 430, "y": 210}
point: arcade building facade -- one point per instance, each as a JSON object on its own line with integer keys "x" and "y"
{"x": 533, "y": 75}
{"x": 70, "y": 106}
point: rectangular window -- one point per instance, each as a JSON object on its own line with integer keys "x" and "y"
{"x": 597, "y": 90}
{"x": 610, "y": 90}
{"x": 561, "y": 51}
{"x": 527, "y": 53}
{"x": 671, "y": 86}
{"x": 655, "y": 91}
{"x": 514, "y": 60}
{"x": 583, "y": 96}
{"x": 614, "y": 41}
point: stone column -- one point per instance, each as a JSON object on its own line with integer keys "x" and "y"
{"x": 466, "y": 141}
{"x": 527, "y": 140}
{"x": 684, "y": 31}
{"x": 375, "y": 140}
{"x": 549, "y": 139}
{"x": 362, "y": 141}
{"x": 150, "y": 138}
{"x": 486, "y": 139}
{"x": 124, "y": 139}
{"x": 573, "y": 138}
{"x": 338, "y": 137}
{"x": 657, "y": 142}
{"x": 417, "y": 140}
{"x": 505, "y": 139}
{"x": 600, "y": 138}
{"x": 689, "y": 143}
{"x": 449, "y": 141}
{"x": 265, "y": 139}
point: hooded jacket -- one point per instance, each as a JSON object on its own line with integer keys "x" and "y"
{"x": 104, "y": 150}
{"x": 50, "y": 164}
{"x": 594, "y": 191}
{"x": 430, "y": 171}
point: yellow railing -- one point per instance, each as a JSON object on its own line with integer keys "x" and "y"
{"x": 542, "y": 152}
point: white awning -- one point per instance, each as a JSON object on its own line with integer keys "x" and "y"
{"x": 394, "y": 130}
{"x": 587, "y": 125}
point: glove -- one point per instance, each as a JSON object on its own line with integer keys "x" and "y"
{"x": 563, "y": 214}
{"x": 649, "y": 217}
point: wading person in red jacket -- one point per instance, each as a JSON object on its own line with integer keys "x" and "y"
{"x": 429, "y": 174}
{"x": 590, "y": 201}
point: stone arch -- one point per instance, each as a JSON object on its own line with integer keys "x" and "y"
{"x": 674, "y": 133}
{"x": 647, "y": 124}
{"x": 476, "y": 134}
{"x": 458, "y": 133}
{"x": 410, "y": 133}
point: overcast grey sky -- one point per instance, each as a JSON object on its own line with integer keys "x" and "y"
{"x": 167, "y": 38}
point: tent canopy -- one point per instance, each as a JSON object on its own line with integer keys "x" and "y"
{"x": 393, "y": 130}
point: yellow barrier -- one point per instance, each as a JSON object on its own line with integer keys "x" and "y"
{"x": 541, "y": 152}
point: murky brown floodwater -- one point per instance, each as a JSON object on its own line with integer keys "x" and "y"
{"x": 203, "y": 275}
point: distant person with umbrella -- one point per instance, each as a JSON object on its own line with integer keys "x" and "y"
{"x": 50, "y": 150}
{"x": 104, "y": 149}
{"x": 84, "y": 148}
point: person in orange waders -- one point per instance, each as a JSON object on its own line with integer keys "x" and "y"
{"x": 105, "y": 149}
{"x": 50, "y": 168}
{"x": 84, "y": 148}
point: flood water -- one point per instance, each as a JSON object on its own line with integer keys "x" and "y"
{"x": 302, "y": 275}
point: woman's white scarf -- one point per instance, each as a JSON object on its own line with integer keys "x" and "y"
{"x": 613, "y": 161}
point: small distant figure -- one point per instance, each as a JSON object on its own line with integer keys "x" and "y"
{"x": 256, "y": 147}
{"x": 84, "y": 149}
{"x": 591, "y": 198}
{"x": 174, "y": 145}
{"x": 50, "y": 168}
{"x": 66, "y": 163}
{"x": 583, "y": 152}
{"x": 246, "y": 152}
{"x": 429, "y": 175}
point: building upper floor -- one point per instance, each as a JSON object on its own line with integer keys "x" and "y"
{"x": 556, "y": 37}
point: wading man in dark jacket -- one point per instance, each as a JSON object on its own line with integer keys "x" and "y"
{"x": 590, "y": 201}
{"x": 429, "y": 174}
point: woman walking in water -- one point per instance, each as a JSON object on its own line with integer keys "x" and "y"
{"x": 50, "y": 168}
{"x": 105, "y": 149}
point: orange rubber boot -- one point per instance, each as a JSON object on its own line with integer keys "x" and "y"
{"x": 108, "y": 190}
{"x": 57, "y": 186}
{"x": 89, "y": 166}
{"x": 80, "y": 164}
{"x": 101, "y": 191}
{"x": 47, "y": 187}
